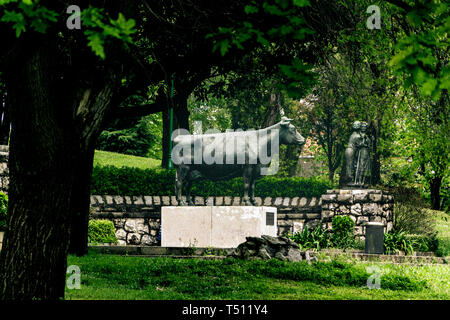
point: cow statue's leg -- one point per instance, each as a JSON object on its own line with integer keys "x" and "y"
{"x": 247, "y": 176}
{"x": 181, "y": 177}
{"x": 252, "y": 190}
{"x": 188, "y": 192}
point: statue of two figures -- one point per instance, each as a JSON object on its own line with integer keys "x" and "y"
{"x": 357, "y": 157}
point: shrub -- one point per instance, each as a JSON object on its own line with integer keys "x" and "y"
{"x": 135, "y": 181}
{"x": 3, "y": 210}
{"x": 413, "y": 220}
{"x": 101, "y": 231}
{"x": 396, "y": 241}
{"x": 317, "y": 239}
{"x": 343, "y": 232}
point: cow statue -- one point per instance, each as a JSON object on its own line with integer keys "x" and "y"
{"x": 218, "y": 156}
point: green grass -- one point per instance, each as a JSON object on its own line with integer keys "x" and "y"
{"x": 443, "y": 228}
{"x": 105, "y": 158}
{"x": 115, "y": 277}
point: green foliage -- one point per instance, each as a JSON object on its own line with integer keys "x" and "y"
{"x": 101, "y": 231}
{"x": 28, "y": 14}
{"x": 3, "y": 210}
{"x": 341, "y": 236}
{"x": 134, "y": 181}
{"x": 396, "y": 241}
{"x": 106, "y": 158}
{"x": 417, "y": 52}
{"x": 343, "y": 232}
{"x": 99, "y": 27}
{"x": 142, "y": 139}
{"x": 115, "y": 277}
{"x": 316, "y": 239}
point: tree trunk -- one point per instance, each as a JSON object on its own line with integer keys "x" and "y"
{"x": 80, "y": 204}
{"x": 435, "y": 188}
{"x": 180, "y": 120}
{"x": 33, "y": 257}
{"x": 165, "y": 139}
{"x": 4, "y": 120}
{"x": 54, "y": 129}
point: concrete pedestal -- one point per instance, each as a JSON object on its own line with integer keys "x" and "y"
{"x": 215, "y": 226}
{"x": 374, "y": 243}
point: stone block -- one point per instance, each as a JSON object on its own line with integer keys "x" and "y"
{"x": 355, "y": 209}
{"x": 147, "y": 240}
{"x": 375, "y": 197}
{"x": 209, "y": 201}
{"x": 258, "y": 201}
{"x": 156, "y": 200}
{"x": 328, "y": 197}
{"x": 219, "y": 201}
{"x": 369, "y": 209}
{"x": 186, "y": 226}
{"x": 227, "y": 201}
{"x": 165, "y": 200}
{"x": 128, "y": 200}
{"x": 374, "y": 219}
{"x": 109, "y": 199}
{"x": 137, "y": 200}
{"x": 133, "y": 238}
{"x": 343, "y": 209}
{"x": 236, "y": 201}
{"x": 173, "y": 201}
{"x": 121, "y": 234}
{"x": 99, "y": 199}
{"x": 327, "y": 214}
{"x": 302, "y": 202}
{"x": 199, "y": 201}
{"x": 294, "y": 201}
{"x": 278, "y": 201}
{"x": 215, "y": 226}
{"x": 361, "y": 220}
{"x": 360, "y": 197}
{"x": 298, "y": 226}
{"x": 268, "y": 201}
{"x": 345, "y": 198}
{"x": 286, "y": 202}
{"x": 118, "y": 199}
{"x": 148, "y": 200}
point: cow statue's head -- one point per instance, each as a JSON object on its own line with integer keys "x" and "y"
{"x": 289, "y": 134}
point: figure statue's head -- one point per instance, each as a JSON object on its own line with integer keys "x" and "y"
{"x": 364, "y": 126}
{"x": 356, "y": 125}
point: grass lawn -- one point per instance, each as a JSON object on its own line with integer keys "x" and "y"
{"x": 105, "y": 158}
{"x": 121, "y": 277}
{"x": 443, "y": 229}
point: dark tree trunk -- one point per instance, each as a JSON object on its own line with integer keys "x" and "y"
{"x": 54, "y": 128}
{"x": 180, "y": 120}
{"x": 165, "y": 139}
{"x": 33, "y": 258}
{"x": 435, "y": 188}
{"x": 4, "y": 119}
{"x": 80, "y": 204}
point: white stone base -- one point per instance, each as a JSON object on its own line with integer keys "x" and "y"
{"x": 214, "y": 226}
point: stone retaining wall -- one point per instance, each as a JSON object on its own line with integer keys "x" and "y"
{"x": 137, "y": 218}
{"x": 4, "y": 172}
{"x": 362, "y": 206}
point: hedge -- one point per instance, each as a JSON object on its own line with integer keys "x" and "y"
{"x": 3, "y": 210}
{"x": 101, "y": 231}
{"x": 134, "y": 181}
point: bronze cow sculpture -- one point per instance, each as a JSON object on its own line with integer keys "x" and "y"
{"x": 219, "y": 156}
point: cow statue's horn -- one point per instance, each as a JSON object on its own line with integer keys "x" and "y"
{"x": 285, "y": 120}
